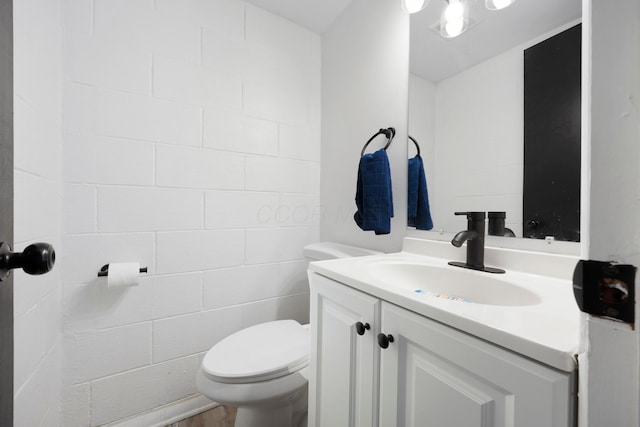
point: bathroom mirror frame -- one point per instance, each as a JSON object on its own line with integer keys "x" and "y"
{"x": 520, "y": 243}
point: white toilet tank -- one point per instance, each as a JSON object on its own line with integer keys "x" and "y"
{"x": 330, "y": 250}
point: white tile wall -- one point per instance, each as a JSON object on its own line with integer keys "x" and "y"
{"x": 128, "y": 209}
{"x": 192, "y": 145}
{"x": 290, "y": 307}
{"x": 228, "y": 130}
{"x": 253, "y": 62}
{"x": 230, "y": 286}
{"x": 122, "y": 395}
{"x": 493, "y": 115}
{"x": 300, "y": 142}
{"x": 192, "y": 84}
{"x": 94, "y": 63}
{"x": 104, "y": 160}
{"x": 93, "y": 307}
{"x": 298, "y": 209}
{"x": 78, "y": 108}
{"x": 276, "y": 244}
{"x": 193, "y": 333}
{"x": 133, "y": 116}
{"x": 165, "y": 289}
{"x": 124, "y": 23}
{"x": 80, "y": 209}
{"x": 199, "y": 250}
{"x": 95, "y": 354}
{"x": 174, "y": 36}
{"x": 197, "y": 168}
{"x": 241, "y": 209}
{"x": 223, "y": 16}
{"x": 282, "y": 174}
{"x": 75, "y": 405}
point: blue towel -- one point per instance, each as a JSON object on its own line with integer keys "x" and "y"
{"x": 419, "y": 214}
{"x": 373, "y": 193}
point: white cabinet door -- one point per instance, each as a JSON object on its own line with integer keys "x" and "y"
{"x": 436, "y": 376}
{"x": 344, "y": 365}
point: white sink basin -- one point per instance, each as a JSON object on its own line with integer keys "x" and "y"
{"x": 452, "y": 283}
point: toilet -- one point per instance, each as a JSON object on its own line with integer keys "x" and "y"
{"x": 262, "y": 370}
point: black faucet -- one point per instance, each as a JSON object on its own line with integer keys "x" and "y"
{"x": 496, "y": 225}
{"x": 474, "y": 236}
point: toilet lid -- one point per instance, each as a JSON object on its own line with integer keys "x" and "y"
{"x": 259, "y": 353}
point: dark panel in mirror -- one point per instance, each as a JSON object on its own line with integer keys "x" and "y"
{"x": 551, "y": 195}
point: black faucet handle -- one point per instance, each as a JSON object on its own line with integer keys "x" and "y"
{"x": 497, "y": 215}
{"x": 473, "y": 215}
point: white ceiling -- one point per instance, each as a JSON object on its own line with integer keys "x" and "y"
{"x": 316, "y": 15}
{"x": 433, "y": 57}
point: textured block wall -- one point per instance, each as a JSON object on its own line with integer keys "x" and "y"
{"x": 191, "y": 143}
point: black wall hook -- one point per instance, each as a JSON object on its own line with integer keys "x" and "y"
{"x": 389, "y": 133}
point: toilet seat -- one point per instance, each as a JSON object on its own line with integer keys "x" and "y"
{"x": 259, "y": 353}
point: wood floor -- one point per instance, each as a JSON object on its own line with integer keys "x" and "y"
{"x": 220, "y": 416}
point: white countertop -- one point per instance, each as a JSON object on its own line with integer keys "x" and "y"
{"x": 547, "y": 331}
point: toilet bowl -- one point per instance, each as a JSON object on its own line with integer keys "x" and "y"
{"x": 262, "y": 370}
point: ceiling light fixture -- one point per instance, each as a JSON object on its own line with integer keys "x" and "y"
{"x": 454, "y": 19}
{"x": 497, "y": 4}
{"x": 413, "y": 6}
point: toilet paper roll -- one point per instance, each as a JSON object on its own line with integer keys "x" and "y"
{"x": 122, "y": 274}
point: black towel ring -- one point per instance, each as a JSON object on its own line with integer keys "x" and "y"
{"x": 389, "y": 133}
{"x": 416, "y": 144}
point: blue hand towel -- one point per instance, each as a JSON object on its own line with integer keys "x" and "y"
{"x": 373, "y": 193}
{"x": 419, "y": 214}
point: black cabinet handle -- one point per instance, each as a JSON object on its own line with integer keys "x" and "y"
{"x": 361, "y": 328}
{"x": 384, "y": 340}
{"x": 37, "y": 258}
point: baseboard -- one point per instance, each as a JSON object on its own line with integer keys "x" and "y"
{"x": 168, "y": 414}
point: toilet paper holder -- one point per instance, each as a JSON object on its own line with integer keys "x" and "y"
{"x": 104, "y": 271}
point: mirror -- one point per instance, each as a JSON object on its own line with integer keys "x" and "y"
{"x": 466, "y": 105}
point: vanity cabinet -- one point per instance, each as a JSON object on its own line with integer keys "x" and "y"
{"x": 344, "y": 376}
{"x": 430, "y": 375}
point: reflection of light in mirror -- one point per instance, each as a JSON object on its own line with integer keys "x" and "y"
{"x": 454, "y": 20}
{"x": 454, "y": 11}
{"x": 497, "y": 4}
{"x": 453, "y": 28}
{"x": 413, "y": 6}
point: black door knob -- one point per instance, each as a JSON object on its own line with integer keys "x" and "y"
{"x": 37, "y": 258}
{"x": 361, "y": 328}
{"x": 384, "y": 340}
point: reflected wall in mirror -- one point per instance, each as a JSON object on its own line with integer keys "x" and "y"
{"x": 466, "y": 105}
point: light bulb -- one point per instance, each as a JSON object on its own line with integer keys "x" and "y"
{"x": 454, "y": 11}
{"x": 413, "y": 6}
{"x": 454, "y": 19}
{"x": 454, "y": 27}
{"x": 497, "y": 4}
